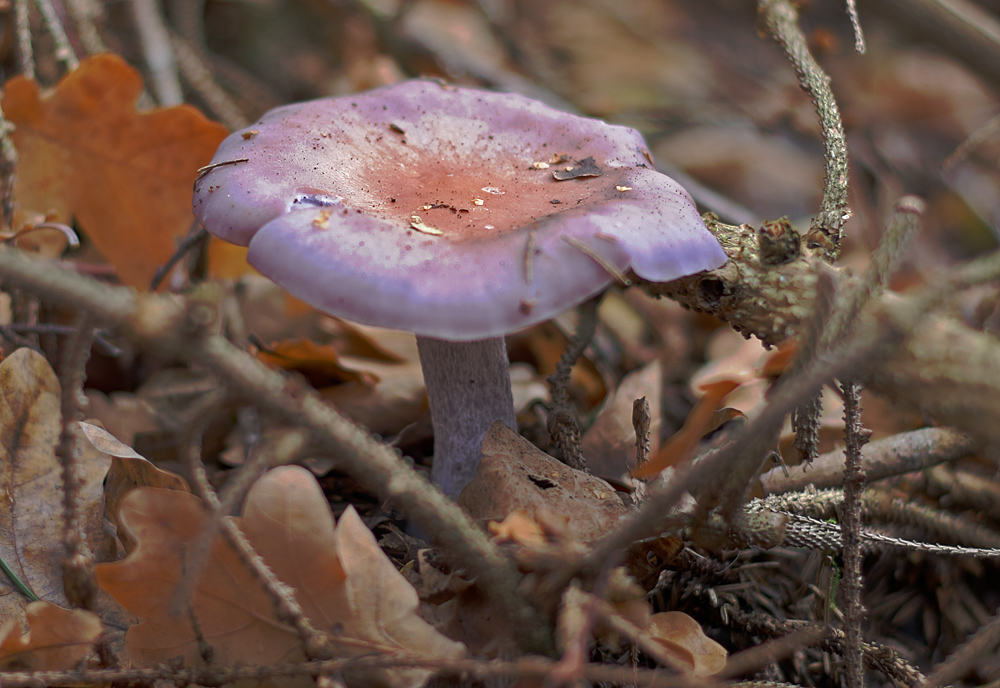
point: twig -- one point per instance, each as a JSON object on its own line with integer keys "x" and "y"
{"x": 850, "y": 528}
{"x": 965, "y": 29}
{"x": 727, "y": 461}
{"x": 315, "y": 644}
{"x": 563, "y": 426}
{"x": 199, "y": 77}
{"x": 903, "y": 224}
{"x": 960, "y": 661}
{"x": 8, "y": 173}
{"x": 782, "y": 20}
{"x": 902, "y": 453}
{"x": 176, "y": 327}
{"x": 641, "y": 421}
{"x": 159, "y": 54}
{"x": 879, "y": 657}
{"x": 79, "y": 582}
{"x": 83, "y": 13}
{"x": 774, "y": 650}
{"x": 197, "y": 235}
{"x": 859, "y": 36}
{"x": 806, "y": 418}
{"x": 25, "y": 52}
{"x": 528, "y": 668}
{"x": 78, "y": 562}
{"x": 64, "y": 50}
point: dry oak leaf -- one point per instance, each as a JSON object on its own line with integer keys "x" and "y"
{"x": 345, "y": 584}
{"x": 31, "y": 510}
{"x": 125, "y": 176}
{"x": 128, "y": 470}
{"x": 674, "y": 629}
{"x": 515, "y": 475}
{"x": 57, "y": 639}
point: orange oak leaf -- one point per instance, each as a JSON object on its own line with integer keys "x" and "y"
{"x": 345, "y": 584}
{"x": 57, "y": 638}
{"x": 125, "y": 176}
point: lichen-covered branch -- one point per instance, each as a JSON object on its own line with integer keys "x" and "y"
{"x": 782, "y": 20}
{"x": 946, "y": 369}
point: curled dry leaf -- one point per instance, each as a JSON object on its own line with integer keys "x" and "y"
{"x": 513, "y": 474}
{"x": 677, "y": 629}
{"x": 57, "y": 638}
{"x": 347, "y": 587}
{"x": 128, "y": 470}
{"x": 124, "y": 176}
{"x": 609, "y": 444}
{"x": 31, "y": 511}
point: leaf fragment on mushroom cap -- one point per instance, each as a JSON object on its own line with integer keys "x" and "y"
{"x": 418, "y": 224}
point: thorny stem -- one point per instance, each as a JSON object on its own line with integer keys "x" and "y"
{"x": 879, "y": 657}
{"x": 78, "y": 561}
{"x": 286, "y": 607}
{"x": 78, "y": 578}
{"x": 782, "y": 20}
{"x": 563, "y": 426}
{"x": 850, "y": 528}
{"x": 174, "y": 326}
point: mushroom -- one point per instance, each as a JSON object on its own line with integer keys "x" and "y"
{"x": 457, "y": 214}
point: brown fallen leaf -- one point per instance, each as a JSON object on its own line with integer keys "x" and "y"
{"x": 128, "y": 470}
{"x": 57, "y": 638}
{"x": 678, "y": 629}
{"x": 514, "y": 474}
{"x": 319, "y": 363}
{"x": 31, "y": 511}
{"x": 397, "y": 399}
{"x": 124, "y": 176}
{"x": 347, "y": 587}
{"x": 609, "y": 444}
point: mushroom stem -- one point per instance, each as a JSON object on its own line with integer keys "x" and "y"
{"x": 468, "y": 387}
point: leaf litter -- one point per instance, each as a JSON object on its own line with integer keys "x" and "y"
{"x": 346, "y": 586}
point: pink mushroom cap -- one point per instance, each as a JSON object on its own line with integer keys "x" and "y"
{"x": 436, "y": 209}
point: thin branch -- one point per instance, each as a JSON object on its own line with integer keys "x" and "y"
{"x": 78, "y": 562}
{"x": 850, "y": 528}
{"x": 534, "y": 669}
{"x": 199, "y": 77}
{"x": 64, "y": 50}
{"x": 884, "y": 458}
{"x": 83, "y": 13}
{"x": 158, "y": 51}
{"x": 25, "y": 52}
{"x": 563, "y": 425}
{"x": 782, "y": 19}
{"x": 959, "y": 662}
{"x": 859, "y": 36}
